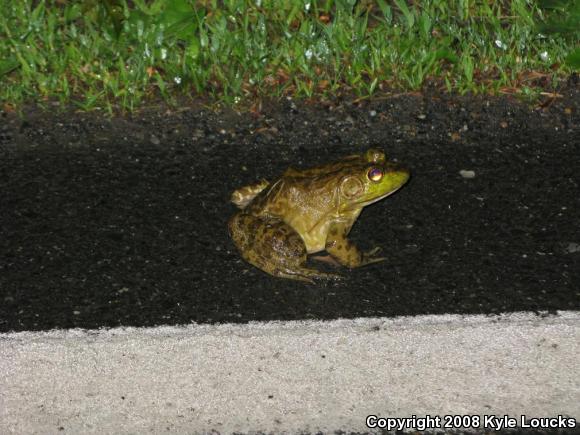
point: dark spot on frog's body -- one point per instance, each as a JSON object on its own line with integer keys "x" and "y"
{"x": 334, "y": 232}
{"x": 298, "y": 251}
{"x": 254, "y": 226}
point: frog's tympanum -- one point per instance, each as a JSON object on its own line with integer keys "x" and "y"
{"x": 311, "y": 210}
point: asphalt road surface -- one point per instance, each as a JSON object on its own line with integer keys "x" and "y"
{"x": 111, "y": 222}
{"x": 123, "y": 221}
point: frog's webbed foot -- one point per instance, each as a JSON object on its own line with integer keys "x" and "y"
{"x": 346, "y": 253}
{"x": 370, "y": 257}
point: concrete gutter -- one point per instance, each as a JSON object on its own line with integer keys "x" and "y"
{"x": 292, "y": 376}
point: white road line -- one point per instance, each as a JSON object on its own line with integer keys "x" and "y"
{"x": 289, "y": 376}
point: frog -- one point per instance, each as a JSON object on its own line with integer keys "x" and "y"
{"x": 307, "y": 211}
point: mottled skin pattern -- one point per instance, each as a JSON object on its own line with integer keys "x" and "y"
{"x": 311, "y": 210}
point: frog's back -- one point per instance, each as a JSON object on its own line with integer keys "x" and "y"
{"x": 371, "y": 156}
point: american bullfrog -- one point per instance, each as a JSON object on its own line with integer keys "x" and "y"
{"x": 311, "y": 210}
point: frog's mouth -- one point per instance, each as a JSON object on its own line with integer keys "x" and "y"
{"x": 372, "y": 201}
{"x": 358, "y": 205}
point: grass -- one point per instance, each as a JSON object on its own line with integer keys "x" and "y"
{"x": 116, "y": 54}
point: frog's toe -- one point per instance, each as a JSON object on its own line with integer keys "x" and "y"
{"x": 370, "y": 256}
{"x": 309, "y": 275}
{"x": 328, "y": 259}
{"x": 372, "y": 260}
{"x": 296, "y": 277}
{"x": 373, "y": 251}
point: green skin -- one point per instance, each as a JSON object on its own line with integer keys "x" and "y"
{"x": 309, "y": 211}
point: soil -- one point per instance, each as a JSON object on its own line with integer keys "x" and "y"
{"x": 122, "y": 221}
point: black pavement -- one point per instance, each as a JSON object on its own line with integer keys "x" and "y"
{"x": 122, "y": 221}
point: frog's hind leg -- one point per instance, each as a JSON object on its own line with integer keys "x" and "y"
{"x": 273, "y": 246}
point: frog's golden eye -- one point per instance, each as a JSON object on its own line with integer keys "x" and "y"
{"x": 375, "y": 174}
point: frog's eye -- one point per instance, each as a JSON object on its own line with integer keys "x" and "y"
{"x": 375, "y": 174}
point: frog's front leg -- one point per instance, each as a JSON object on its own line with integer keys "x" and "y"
{"x": 346, "y": 252}
{"x": 273, "y": 246}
